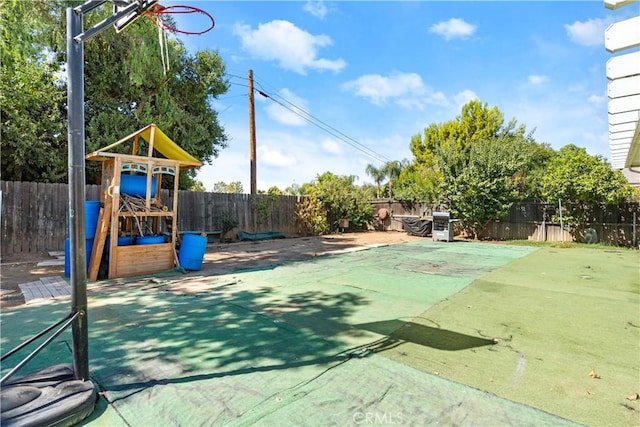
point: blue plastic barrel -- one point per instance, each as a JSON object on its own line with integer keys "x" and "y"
{"x": 149, "y": 239}
{"x": 91, "y": 215}
{"x": 67, "y": 255}
{"x": 192, "y": 251}
{"x": 125, "y": 240}
{"x": 122, "y": 241}
{"x": 136, "y": 185}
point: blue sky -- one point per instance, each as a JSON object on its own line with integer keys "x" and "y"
{"x": 368, "y": 75}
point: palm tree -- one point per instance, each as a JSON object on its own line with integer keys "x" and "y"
{"x": 378, "y": 176}
{"x": 392, "y": 170}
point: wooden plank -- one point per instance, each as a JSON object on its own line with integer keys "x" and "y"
{"x": 34, "y": 244}
{"x": 60, "y": 214}
{"x": 42, "y": 200}
{"x": 48, "y": 201}
{"x": 199, "y": 208}
{"x": 138, "y": 260}
{"x": 7, "y": 217}
{"x": 174, "y": 209}
{"x": 143, "y": 213}
{"x": 14, "y": 195}
{"x": 114, "y": 194}
{"x": 102, "y": 230}
{"x": 622, "y": 35}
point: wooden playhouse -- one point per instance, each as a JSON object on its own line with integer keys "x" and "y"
{"x": 136, "y": 228}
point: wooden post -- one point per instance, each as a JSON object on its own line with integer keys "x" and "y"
{"x": 115, "y": 219}
{"x": 252, "y": 135}
{"x": 101, "y": 237}
{"x": 174, "y": 216}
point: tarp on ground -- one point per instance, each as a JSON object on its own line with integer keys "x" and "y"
{"x": 417, "y": 226}
{"x": 299, "y": 344}
{"x": 244, "y": 236}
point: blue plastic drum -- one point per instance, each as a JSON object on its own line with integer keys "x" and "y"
{"x": 192, "y": 251}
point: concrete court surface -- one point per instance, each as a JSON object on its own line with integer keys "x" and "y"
{"x": 388, "y": 336}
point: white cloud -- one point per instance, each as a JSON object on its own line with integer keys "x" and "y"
{"x": 230, "y": 166}
{"x": 331, "y": 146}
{"x": 406, "y": 90}
{"x": 454, "y": 28}
{"x": 270, "y": 156}
{"x": 588, "y": 33}
{"x": 378, "y": 89}
{"x": 597, "y": 100}
{"x": 292, "y": 48}
{"x": 537, "y": 79}
{"x": 285, "y": 115}
{"x": 316, "y": 8}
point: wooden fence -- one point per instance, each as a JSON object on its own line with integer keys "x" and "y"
{"x": 612, "y": 225}
{"x": 34, "y": 216}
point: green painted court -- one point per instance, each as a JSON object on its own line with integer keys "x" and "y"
{"x": 450, "y": 333}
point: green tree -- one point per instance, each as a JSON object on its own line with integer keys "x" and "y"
{"x": 33, "y": 133}
{"x": 481, "y": 185}
{"x": 125, "y": 90}
{"x": 392, "y": 171}
{"x": 341, "y": 198}
{"x": 311, "y": 217}
{"x": 581, "y": 181}
{"x": 378, "y": 175}
{"x": 421, "y": 180}
{"x": 275, "y": 190}
{"x": 234, "y": 187}
{"x": 418, "y": 183}
{"x": 476, "y": 165}
{"x": 476, "y": 122}
{"x": 122, "y": 99}
{"x": 197, "y": 186}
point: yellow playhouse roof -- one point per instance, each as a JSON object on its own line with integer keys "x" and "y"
{"x": 157, "y": 140}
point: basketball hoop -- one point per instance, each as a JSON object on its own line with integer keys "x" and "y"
{"x": 155, "y": 14}
{"x": 158, "y": 10}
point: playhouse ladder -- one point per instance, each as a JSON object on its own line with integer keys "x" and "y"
{"x": 100, "y": 239}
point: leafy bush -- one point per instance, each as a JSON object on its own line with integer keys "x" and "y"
{"x": 229, "y": 222}
{"x": 311, "y": 218}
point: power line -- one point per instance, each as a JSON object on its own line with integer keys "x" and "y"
{"x": 332, "y": 130}
{"x": 311, "y": 119}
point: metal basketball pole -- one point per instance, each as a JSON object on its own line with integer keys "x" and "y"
{"x": 76, "y": 162}
{"x": 76, "y": 36}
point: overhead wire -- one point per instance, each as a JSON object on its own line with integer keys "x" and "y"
{"x": 309, "y": 118}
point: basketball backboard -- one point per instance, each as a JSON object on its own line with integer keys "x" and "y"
{"x": 129, "y": 13}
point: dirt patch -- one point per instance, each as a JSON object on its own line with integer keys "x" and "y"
{"x": 220, "y": 258}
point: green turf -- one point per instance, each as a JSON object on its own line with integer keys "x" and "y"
{"x": 393, "y": 335}
{"x": 556, "y": 315}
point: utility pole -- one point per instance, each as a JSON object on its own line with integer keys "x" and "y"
{"x": 252, "y": 135}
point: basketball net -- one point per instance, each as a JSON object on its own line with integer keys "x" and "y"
{"x": 155, "y": 14}
{"x": 164, "y": 45}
